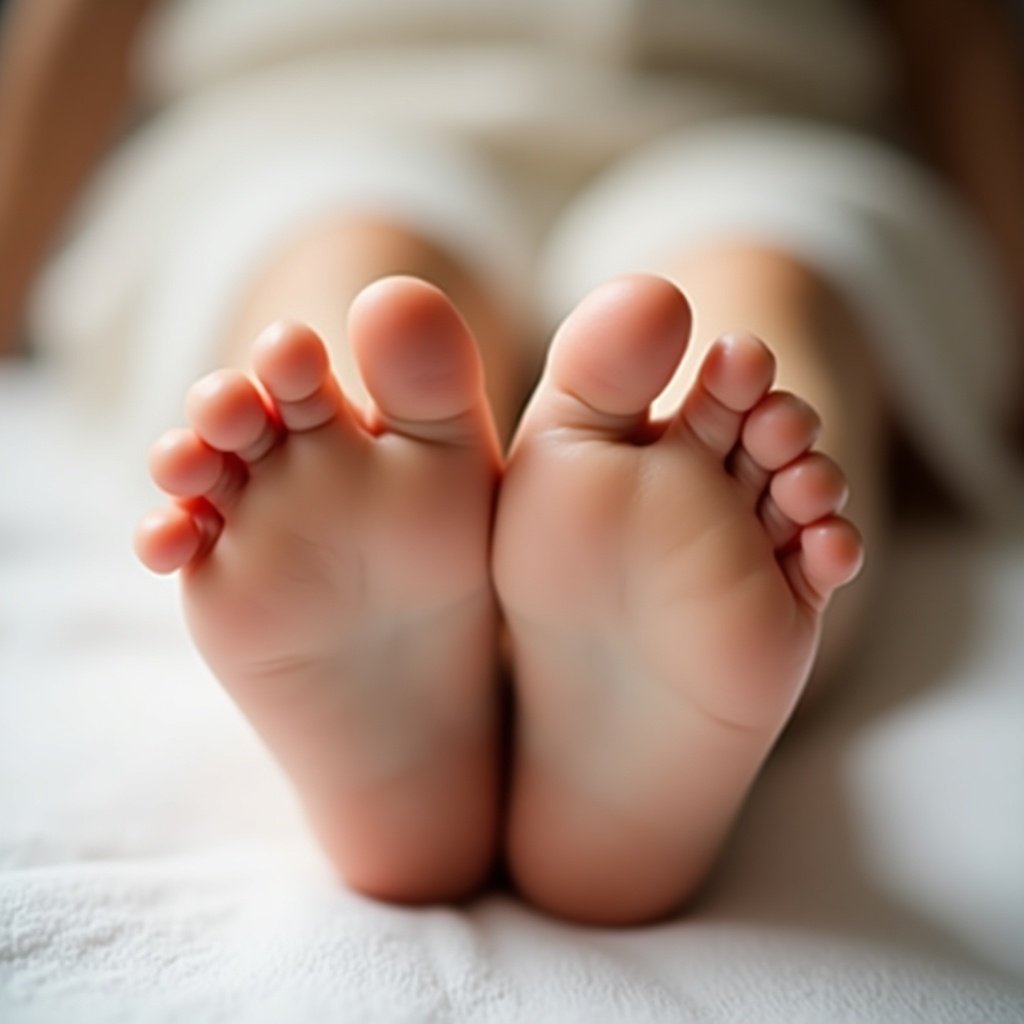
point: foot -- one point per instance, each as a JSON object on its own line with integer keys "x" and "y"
{"x": 334, "y": 564}
{"x": 664, "y": 586}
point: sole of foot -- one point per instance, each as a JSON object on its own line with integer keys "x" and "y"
{"x": 334, "y": 564}
{"x": 663, "y": 585}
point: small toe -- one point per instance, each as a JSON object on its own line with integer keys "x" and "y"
{"x": 830, "y": 554}
{"x": 810, "y": 488}
{"x": 229, "y": 414}
{"x": 292, "y": 363}
{"x": 778, "y": 430}
{"x": 734, "y": 376}
{"x": 184, "y": 465}
{"x": 169, "y": 538}
{"x": 420, "y": 364}
{"x": 612, "y": 356}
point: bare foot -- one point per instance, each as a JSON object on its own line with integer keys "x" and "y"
{"x": 664, "y": 586}
{"x": 336, "y": 579}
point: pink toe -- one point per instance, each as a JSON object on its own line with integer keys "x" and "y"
{"x": 182, "y": 464}
{"x": 833, "y": 552}
{"x": 290, "y": 360}
{"x": 292, "y": 363}
{"x": 167, "y": 539}
{"x": 734, "y": 376}
{"x": 812, "y": 487}
{"x": 779, "y": 429}
{"x": 737, "y": 370}
{"x": 227, "y": 411}
{"x": 830, "y": 554}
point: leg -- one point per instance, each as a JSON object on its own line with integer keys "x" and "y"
{"x": 664, "y": 586}
{"x": 335, "y": 563}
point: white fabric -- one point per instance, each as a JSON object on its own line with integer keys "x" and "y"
{"x": 153, "y": 867}
{"x": 819, "y": 56}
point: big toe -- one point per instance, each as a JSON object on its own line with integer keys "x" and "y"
{"x": 612, "y": 356}
{"x": 420, "y": 363}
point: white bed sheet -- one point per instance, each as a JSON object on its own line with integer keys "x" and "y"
{"x": 154, "y": 868}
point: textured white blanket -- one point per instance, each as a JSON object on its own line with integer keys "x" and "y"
{"x": 153, "y": 867}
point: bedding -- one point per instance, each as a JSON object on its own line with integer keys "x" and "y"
{"x": 153, "y": 866}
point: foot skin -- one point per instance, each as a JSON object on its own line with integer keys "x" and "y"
{"x": 335, "y": 570}
{"x": 663, "y": 586}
